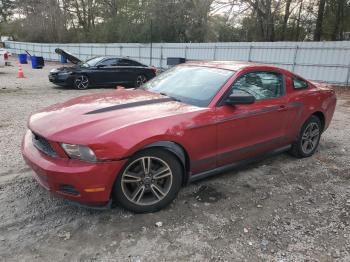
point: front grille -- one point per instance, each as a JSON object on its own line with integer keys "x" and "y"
{"x": 43, "y": 145}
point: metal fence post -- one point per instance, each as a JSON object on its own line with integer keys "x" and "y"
{"x": 120, "y": 50}
{"x": 347, "y": 80}
{"x": 105, "y": 50}
{"x": 161, "y": 57}
{"x": 186, "y": 48}
{"x": 295, "y": 57}
{"x": 139, "y": 52}
{"x": 214, "y": 52}
{"x": 250, "y": 53}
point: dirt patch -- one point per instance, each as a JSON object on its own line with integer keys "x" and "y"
{"x": 208, "y": 194}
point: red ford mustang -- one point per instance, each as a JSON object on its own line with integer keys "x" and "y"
{"x": 139, "y": 147}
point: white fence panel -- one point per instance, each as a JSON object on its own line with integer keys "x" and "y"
{"x": 322, "y": 61}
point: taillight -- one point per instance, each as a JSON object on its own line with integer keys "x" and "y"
{"x": 154, "y": 69}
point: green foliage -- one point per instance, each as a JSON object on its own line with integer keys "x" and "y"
{"x": 172, "y": 20}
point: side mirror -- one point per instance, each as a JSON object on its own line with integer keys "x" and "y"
{"x": 239, "y": 97}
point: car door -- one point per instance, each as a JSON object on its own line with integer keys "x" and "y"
{"x": 127, "y": 71}
{"x": 103, "y": 73}
{"x": 247, "y": 130}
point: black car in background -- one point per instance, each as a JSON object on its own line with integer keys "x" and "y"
{"x": 101, "y": 71}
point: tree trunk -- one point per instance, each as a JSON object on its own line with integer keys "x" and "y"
{"x": 298, "y": 21}
{"x": 285, "y": 19}
{"x": 319, "y": 21}
{"x": 337, "y": 20}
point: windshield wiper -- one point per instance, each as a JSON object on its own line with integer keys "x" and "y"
{"x": 173, "y": 98}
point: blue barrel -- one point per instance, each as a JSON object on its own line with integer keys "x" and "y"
{"x": 37, "y": 62}
{"x": 34, "y": 62}
{"x": 63, "y": 60}
{"x": 22, "y": 58}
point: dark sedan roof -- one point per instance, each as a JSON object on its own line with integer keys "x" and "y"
{"x": 113, "y": 56}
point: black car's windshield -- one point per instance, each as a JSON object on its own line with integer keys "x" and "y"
{"x": 194, "y": 85}
{"x": 92, "y": 61}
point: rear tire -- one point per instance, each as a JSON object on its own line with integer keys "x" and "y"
{"x": 308, "y": 139}
{"x": 140, "y": 80}
{"x": 81, "y": 82}
{"x": 149, "y": 181}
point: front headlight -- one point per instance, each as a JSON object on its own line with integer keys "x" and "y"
{"x": 55, "y": 70}
{"x": 66, "y": 73}
{"x": 79, "y": 152}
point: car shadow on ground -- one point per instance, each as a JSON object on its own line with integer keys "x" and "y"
{"x": 56, "y": 87}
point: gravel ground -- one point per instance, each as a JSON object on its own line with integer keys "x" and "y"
{"x": 280, "y": 209}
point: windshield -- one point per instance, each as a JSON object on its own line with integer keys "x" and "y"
{"x": 194, "y": 85}
{"x": 92, "y": 61}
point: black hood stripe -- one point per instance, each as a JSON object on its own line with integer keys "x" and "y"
{"x": 128, "y": 105}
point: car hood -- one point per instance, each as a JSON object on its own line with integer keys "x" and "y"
{"x": 96, "y": 115}
{"x": 70, "y": 57}
{"x": 64, "y": 69}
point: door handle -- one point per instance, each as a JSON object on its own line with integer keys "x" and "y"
{"x": 282, "y": 108}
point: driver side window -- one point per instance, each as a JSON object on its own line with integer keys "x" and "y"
{"x": 261, "y": 85}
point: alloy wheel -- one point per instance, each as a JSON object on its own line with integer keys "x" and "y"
{"x": 146, "y": 181}
{"x": 310, "y": 137}
{"x": 82, "y": 82}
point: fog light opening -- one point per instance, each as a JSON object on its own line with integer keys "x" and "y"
{"x": 69, "y": 189}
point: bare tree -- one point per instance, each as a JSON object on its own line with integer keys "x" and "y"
{"x": 319, "y": 21}
{"x": 285, "y": 19}
{"x": 337, "y": 32}
{"x": 174, "y": 20}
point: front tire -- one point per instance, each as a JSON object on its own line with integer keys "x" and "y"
{"x": 81, "y": 82}
{"x": 308, "y": 139}
{"x": 150, "y": 181}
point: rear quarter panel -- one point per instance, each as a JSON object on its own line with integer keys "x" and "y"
{"x": 306, "y": 102}
{"x": 149, "y": 72}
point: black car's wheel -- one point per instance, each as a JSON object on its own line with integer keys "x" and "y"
{"x": 149, "y": 181}
{"x": 308, "y": 138}
{"x": 81, "y": 82}
{"x": 140, "y": 80}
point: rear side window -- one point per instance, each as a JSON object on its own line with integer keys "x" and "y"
{"x": 261, "y": 85}
{"x": 126, "y": 62}
{"x": 299, "y": 84}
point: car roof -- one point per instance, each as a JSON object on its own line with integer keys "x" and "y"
{"x": 231, "y": 65}
{"x": 119, "y": 57}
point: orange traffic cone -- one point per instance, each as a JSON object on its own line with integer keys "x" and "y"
{"x": 20, "y": 71}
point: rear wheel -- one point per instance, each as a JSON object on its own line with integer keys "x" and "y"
{"x": 81, "y": 82}
{"x": 140, "y": 80}
{"x": 150, "y": 181}
{"x": 308, "y": 138}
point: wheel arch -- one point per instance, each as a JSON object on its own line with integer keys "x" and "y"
{"x": 322, "y": 118}
{"x": 178, "y": 151}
